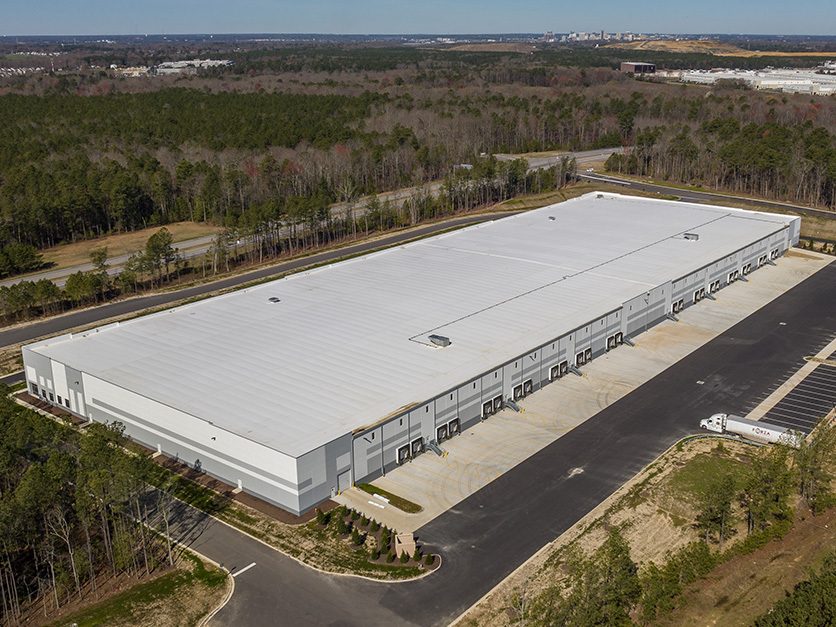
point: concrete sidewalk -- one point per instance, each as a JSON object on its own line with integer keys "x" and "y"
{"x": 488, "y": 450}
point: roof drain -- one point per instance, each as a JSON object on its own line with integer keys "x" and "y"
{"x": 440, "y": 340}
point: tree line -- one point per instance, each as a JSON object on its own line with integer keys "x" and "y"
{"x": 73, "y": 512}
{"x": 271, "y": 231}
{"x": 76, "y": 167}
{"x": 772, "y": 160}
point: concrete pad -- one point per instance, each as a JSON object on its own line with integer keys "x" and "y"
{"x": 491, "y": 448}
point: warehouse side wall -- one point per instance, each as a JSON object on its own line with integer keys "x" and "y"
{"x": 383, "y": 448}
{"x": 300, "y": 484}
{"x": 241, "y": 462}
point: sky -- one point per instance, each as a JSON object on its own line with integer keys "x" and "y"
{"x": 118, "y": 17}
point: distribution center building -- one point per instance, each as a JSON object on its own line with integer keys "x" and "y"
{"x": 295, "y": 389}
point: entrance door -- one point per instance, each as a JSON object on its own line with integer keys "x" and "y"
{"x": 344, "y": 481}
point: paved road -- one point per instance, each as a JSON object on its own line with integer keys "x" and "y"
{"x": 546, "y": 161}
{"x": 188, "y": 248}
{"x": 490, "y": 533}
{"x": 198, "y": 246}
{"x": 704, "y": 197}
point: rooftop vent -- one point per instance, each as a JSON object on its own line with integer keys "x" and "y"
{"x": 274, "y": 299}
{"x": 692, "y": 236}
{"x": 599, "y": 195}
{"x": 440, "y": 340}
{"x": 552, "y": 218}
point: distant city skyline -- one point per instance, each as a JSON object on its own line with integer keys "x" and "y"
{"x": 119, "y": 17}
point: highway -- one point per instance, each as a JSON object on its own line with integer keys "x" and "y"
{"x": 688, "y": 195}
{"x": 489, "y": 534}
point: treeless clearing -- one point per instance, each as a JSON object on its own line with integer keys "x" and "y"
{"x": 654, "y": 511}
{"x": 493, "y": 47}
{"x": 709, "y": 47}
{"x": 743, "y": 588}
{"x": 66, "y": 255}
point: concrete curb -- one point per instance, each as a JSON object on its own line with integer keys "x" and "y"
{"x": 206, "y": 619}
{"x": 46, "y": 414}
{"x": 311, "y": 566}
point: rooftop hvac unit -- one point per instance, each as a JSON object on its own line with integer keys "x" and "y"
{"x": 440, "y": 340}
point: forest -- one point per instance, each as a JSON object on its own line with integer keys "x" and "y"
{"x": 77, "y": 166}
{"x": 280, "y": 148}
{"x": 73, "y": 513}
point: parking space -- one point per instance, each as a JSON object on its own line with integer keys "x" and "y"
{"x": 812, "y": 399}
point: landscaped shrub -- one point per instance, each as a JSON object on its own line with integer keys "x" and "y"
{"x": 342, "y": 527}
{"x": 353, "y": 514}
{"x": 390, "y": 557}
{"x": 364, "y": 521}
{"x": 404, "y": 557}
{"x": 375, "y": 526}
{"x": 374, "y": 554}
{"x": 417, "y": 555}
{"x": 321, "y": 517}
{"x": 356, "y": 537}
{"x": 429, "y": 559}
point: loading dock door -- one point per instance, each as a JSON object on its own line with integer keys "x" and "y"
{"x": 518, "y": 392}
{"x": 344, "y": 481}
{"x": 487, "y": 409}
{"x": 403, "y": 454}
{"x": 528, "y": 387}
{"x": 417, "y": 447}
{"x": 453, "y": 427}
{"x": 441, "y": 433}
{"x": 497, "y": 404}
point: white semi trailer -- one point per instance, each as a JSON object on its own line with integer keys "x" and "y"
{"x": 751, "y": 429}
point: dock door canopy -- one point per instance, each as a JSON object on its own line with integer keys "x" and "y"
{"x": 584, "y": 357}
{"x": 559, "y": 370}
{"x": 518, "y": 392}
{"x": 487, "y": 409}
{"x": 441, "y": 433}
{"x": 403, "y": 454}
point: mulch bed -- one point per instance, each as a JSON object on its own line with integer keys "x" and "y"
{"x": 41, "y": 404}
{"x": 228, "y": 491}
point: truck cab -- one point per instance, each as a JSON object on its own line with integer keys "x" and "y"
{"x": 714, "y": 423}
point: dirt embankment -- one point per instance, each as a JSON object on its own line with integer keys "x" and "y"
{"x": 699, "y": 46}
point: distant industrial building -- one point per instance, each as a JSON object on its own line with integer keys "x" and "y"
{"x": 816, "y": 82}
{"x": 634, "y": 67}
{"x": 190, "y": 66}
{"x": 294, "y": 390}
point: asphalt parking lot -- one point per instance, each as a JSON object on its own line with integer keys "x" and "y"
{"x": 809, "y": 402}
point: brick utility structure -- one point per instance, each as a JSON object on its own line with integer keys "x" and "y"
{"x": 634, "y": 67}
{"x": 295, "y": 389}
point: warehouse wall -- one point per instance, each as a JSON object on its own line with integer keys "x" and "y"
{"x": 299, "y": 485}
{"x": 375, "y": 451}
{"x": 229, "y": 457}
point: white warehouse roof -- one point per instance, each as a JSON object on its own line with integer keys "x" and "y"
{"x": 347, "y": 343}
